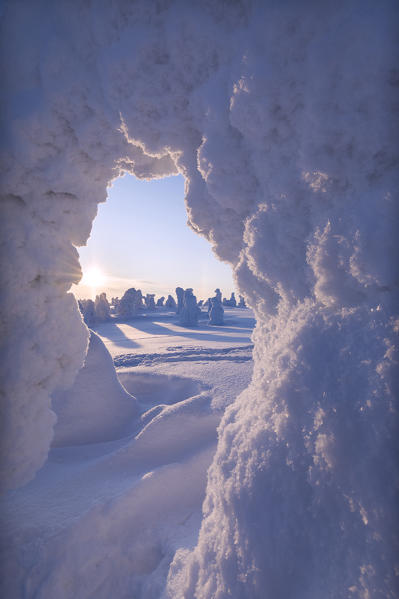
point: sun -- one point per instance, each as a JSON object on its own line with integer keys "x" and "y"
{"x": 94, "y": 277}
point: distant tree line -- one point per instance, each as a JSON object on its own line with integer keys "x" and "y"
{"x": 133, "y": 303}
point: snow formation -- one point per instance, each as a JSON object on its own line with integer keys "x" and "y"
{"x": 283, "y": 119}
{"x": 130, "y": 304}
{"x": 102, "y": 308}
{"x": 216, "y": 311}
{"x": 190, "y": 311}
{"x": 96, "y": 408}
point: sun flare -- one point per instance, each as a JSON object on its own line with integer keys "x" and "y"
{"x": 94, "y": 277}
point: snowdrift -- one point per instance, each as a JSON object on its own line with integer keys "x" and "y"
{"x": 283, "y": 119}
{"x": 96, "y": 408}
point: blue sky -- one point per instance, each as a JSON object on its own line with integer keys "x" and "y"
{"x": 140, "y": 239}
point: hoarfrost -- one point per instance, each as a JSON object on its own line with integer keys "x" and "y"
{"x": 283, "y": 120}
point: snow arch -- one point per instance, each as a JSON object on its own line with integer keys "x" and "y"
{"x": 281, "y": 118}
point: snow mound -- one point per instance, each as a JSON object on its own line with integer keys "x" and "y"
{"x": 105, "y": 519}
{"x": 96, "y": 408}
{"x": 154, "y": 389}
{"x": 180, "y": 429}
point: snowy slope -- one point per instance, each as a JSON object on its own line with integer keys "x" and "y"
{"x": 104, "y": 519}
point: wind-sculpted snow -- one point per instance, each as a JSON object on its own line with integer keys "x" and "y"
{"x": 283, "y": 119}
{"x": 191, "y": 354}
{"x": 311, "y": 467}
{"x": 96, "y": 408}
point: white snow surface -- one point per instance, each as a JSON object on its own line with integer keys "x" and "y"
{"x": 283, "y": 119}
{"x": 124, "y": 483}
{"x": 96, "y": 408}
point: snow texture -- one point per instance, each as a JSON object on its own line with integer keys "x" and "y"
{"x": 189, "y": 311}
{"x": 216, "y": 311}
{"x": 102, "y": 308}
{"x": 283, "y": 118}
{"x": 105, "y": 518}
{"x": 170, "y": 302}
{"x": 130, "y": 304}
{"x": 96, "y": 408}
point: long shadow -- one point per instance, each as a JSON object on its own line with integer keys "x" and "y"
{"x": 112, "y": 332}
{"x": 241, "y": 323}
{"x": 147, "y": 325}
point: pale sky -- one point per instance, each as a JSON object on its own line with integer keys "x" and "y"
{"x": 141, "y": 239}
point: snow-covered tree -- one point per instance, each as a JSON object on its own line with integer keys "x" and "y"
{"x": 171, "y": 303}
{"x": 180, "y": 299}
{"x": 130, "y": 304}
{"x": 87, "y": 309}
{"x": 216, "y": 312}
{"x": 102, "y": 308}
{"x": 189, "y": 312}
{"x": 149, "y": 301}
{"x": 282, "y": 118}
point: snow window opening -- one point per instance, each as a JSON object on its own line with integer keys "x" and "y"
{"x": 202, "y": 78}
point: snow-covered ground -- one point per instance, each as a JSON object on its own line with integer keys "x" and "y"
{"x": 123, "y": 487}
{"x": 282, "y": 118}
{"x": 156, "y": 356}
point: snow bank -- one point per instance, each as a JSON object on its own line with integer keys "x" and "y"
{"x": 302, "y": 485}
{"x": 96, "y": 408}
{"x": 282, "y": 118}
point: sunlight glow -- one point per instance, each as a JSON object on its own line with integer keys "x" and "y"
{"x": 94, "y": 277}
